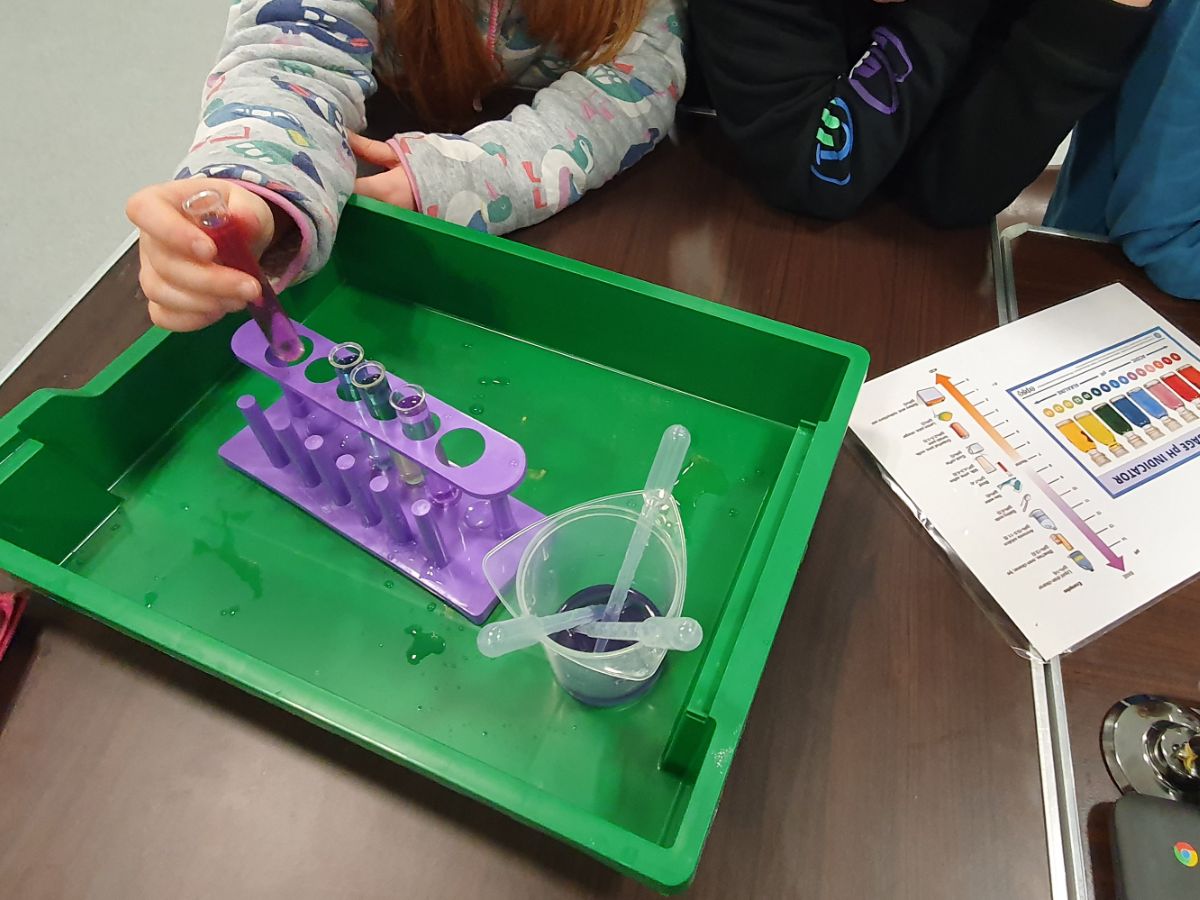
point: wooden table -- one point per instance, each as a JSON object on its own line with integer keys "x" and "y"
{"x": 1153, "y": 653}
{"x": 891, "y": 751}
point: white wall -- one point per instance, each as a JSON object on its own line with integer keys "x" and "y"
{"x": 101, "y": 97}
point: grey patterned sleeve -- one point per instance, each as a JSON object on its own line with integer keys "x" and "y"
{"x": 292, "y": 76}
{"x": 576, "y": 134}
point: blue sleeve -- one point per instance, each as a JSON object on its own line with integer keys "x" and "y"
{"x": 1153, "y": 210}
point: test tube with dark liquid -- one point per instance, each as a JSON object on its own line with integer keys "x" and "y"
{"x": 208, "y": 210}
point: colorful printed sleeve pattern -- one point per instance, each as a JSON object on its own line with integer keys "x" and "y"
{"x": 576, "y": 134}
{"x": 292, "y": 76}
{"x": 817, "y": 131}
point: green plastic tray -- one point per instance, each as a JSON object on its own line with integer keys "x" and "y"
{"x": 113, "y": 500}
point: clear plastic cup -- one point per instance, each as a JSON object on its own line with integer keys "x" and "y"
{"x": 568, "y": 561}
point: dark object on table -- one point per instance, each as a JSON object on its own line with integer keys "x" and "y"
{"x": 1155, "y": 852}
{"x": 1152, "y": 746}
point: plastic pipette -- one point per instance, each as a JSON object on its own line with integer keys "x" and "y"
{"x": 517, "y": 634}
{"x": 664, "y": 472}
{"x": 208, "y": 210}
{"x": 666, "y": 632}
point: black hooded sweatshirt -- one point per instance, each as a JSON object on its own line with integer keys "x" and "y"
{"x": 954, "y": 105}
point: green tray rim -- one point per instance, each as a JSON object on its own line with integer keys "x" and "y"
{"x": 768, "y": 572}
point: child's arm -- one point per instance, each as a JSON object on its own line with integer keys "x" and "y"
{"x": 1153, "y": 210}
{"x": 817, "y": 131}
{"x": 990, "y": 141}
{"x": 575, "y": 135}
{"x": 291, "y": 79}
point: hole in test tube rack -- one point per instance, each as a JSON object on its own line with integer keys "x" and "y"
{"x": 462, "y": 447}
{"x": 306, "y": 347}
{"x": 320, "y": 371}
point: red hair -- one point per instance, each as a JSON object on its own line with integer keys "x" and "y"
{"x": 447, "y": 64}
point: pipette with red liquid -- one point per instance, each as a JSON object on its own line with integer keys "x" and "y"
{"x": 208, "y": 210}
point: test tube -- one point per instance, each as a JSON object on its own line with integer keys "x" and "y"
{"x": 345, "y": 358}
{"x": 1100, "y": 432}
{"x": 370, "y": 380}
{"x": 1154, "y": 408}
{"x": 1130, "y": 411}
{"x": 1170, "y": 400}
{"x": 1081, "y": 442}
{"x": 418, "y": 424}
{"x": 427, "y": 534}
{"x": 208, "y": 210}
{"x": 1117, "y": 423}
{"x": 364, "y": 501}
{"x": 261, "y": 429}
{"x": 368, "y": 383}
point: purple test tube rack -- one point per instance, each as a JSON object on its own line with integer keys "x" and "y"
{"x": 321, "y": 452}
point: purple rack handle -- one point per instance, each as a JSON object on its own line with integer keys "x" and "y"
{"x": 496, "y": 473}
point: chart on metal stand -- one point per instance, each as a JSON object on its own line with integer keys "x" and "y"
{"x": 1051, "y": 457}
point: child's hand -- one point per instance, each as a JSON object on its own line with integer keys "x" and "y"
{"x": 186, "y": 287}
{"x": 392, "y": 186}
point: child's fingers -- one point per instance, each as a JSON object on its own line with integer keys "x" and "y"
{"x": 390, "y": 187}
{"x": 158, "y": 290}
{"x": 174, "y": 320}
{"x": 207, "y": 279}
{"x": 156, "y": 214}
{"x": 377, "y": 153}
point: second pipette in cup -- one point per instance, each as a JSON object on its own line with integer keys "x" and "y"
{"x": 664, "y": 472}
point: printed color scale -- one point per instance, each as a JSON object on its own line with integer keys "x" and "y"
{"x": 1110, "y": 557}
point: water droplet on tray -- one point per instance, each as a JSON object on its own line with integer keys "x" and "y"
{"x": 389, "y": 584}
{"x": 430, "y": 606}
{"x": 475, "y": 409}
{"x": 424, "y": 643}
{"x": 150, "y": 598}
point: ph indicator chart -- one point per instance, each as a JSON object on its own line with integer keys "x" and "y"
{"x": 1126, "y": 414}
{"x": 1051, "y": 457}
